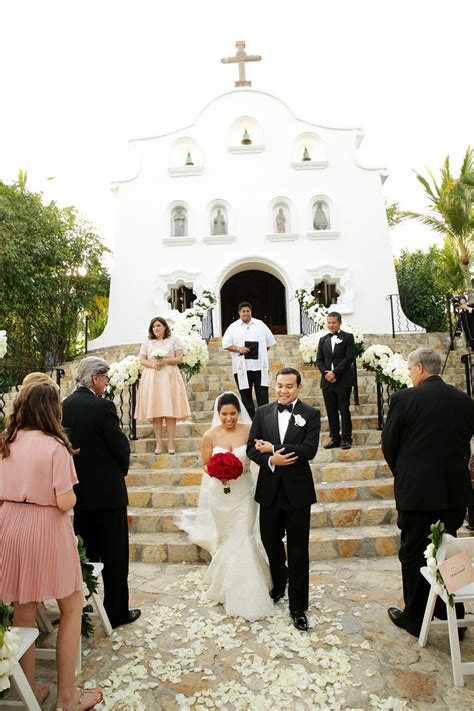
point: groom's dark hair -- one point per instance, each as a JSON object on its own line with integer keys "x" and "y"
{"x": 290, "y": 371}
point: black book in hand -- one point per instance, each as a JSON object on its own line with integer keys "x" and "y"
{"x": 253, "y": 349}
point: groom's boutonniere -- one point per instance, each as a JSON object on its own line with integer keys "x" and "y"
{"x": 338, "y": 340}
{"x": 299, "y": 421}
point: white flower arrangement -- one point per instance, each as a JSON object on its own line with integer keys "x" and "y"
{"x": 436, "y": 537}
{"x": 187, "y": 326}
{"x": 3, "y": 343}
{"x": 315, "y": 311}
{"x": 195, "y": 354}
{"x": 308, "y": 346}
{"x": 123, "y": 373}
{"x": 204, "y": 303}
{"x": 389, "y": 367}
{"x": 9, "y": 645}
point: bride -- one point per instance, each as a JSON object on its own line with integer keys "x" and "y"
{"x": 226, "y": 524}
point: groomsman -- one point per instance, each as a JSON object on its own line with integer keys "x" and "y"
{"x": 426, "y": 442}
{"x": 249, "y": 341}
{"x": 336, "y": 353}
{"x": 100, "y": 513}
{"x": 283, "y": 439}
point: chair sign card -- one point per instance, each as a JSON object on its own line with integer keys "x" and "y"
{"x": 457, "y": 572}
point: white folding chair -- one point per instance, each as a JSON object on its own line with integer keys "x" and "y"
{"x": 43, "y": 621}
{"x": 28, "y": 699}
{"x": 450, "y": 547}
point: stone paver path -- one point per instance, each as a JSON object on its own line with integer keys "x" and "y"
{"x": 184, "y": 653}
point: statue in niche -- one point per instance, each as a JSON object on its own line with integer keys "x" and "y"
{"x": 320, "y": 221}
{"x": 179, "y": 219}
{"x": 219, "y": 225}
{"x": 280, "y": 221}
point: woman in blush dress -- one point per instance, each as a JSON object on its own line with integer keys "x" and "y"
{"x": 39, "y": 558}
{"x": 226, "y": 524}
{"x": 161, "y": 393}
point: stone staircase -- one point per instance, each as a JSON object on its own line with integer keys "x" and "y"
{"x": 355, "y": 513}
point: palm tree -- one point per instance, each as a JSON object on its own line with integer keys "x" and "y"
{"x": 451, "y": 209}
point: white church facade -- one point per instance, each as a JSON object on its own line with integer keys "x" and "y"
{"x": 251, "y": 203}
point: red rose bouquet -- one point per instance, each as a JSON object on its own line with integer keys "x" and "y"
{"x": 225, "y": 466}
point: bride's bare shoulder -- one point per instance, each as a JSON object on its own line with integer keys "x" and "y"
{"x": 209, "y": 435}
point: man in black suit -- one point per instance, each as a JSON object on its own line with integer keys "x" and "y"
{"x": 336, "y": 353}
{"x": 426, "y": 442}
{"x": 100, "y": 513}
{"x": 283, "y": 440}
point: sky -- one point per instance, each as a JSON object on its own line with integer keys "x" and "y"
{"x": 81, "y": 78}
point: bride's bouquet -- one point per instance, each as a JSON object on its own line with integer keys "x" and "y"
{"x": 226, "y": 467}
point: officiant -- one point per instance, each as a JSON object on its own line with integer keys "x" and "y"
{"x": 249, "y": 340}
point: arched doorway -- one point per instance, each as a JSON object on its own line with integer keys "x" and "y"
{"x": 264, "y": 291}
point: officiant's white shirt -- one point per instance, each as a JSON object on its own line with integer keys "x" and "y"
{"x": 236, "y": 335}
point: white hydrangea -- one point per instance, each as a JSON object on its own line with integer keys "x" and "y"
{"x": 376, "y": 356}
{"x": 194, "y": 351}
{"x": 8, "y": 661}
{"x": 186, "y": 326}
{"x": 396, "y": 368}
{"x": 3, "y": 343}
{"x": 124, "y": 373}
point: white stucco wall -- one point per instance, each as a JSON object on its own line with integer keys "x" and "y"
{"x": 356, "y": 249}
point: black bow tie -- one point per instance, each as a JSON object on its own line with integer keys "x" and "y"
{"x": 282, "y": 408}
{"x": 336, "y": 334}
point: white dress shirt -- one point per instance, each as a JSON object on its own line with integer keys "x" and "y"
{"x": 283, "y": 421}
{"x": 236, "y": 335}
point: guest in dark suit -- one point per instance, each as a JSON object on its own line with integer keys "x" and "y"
{"x": 283, "y": 440}
{"x": 426, "y": 442}
{"x": 336, "y": 353}
{"x": 100, "y": 513}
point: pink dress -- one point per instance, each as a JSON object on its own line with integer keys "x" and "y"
{"x": 162, "y": 393}
{"x": 38, "y": 556}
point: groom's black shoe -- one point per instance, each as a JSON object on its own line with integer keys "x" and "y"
{"x": 332, "y": 444}
{"x": 399, "y": 619}
{"x": 346, "y": 445}
{"x": 300, "y": 620}
{"x": 278, "y": 593}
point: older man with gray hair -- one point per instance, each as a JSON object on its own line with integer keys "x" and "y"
{"x": 426, "y": 443}
{"x": 100, "y": 513}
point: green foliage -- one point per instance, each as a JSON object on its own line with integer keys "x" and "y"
{"x": 91, "y": 583}
{"x": 451, "y": 209}
{"x": 51, "y": 274}
{"x": 394, "y": 215}
{"x": 422, "y": 292}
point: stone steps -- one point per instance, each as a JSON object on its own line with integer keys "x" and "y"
{"x": 336, "y": 514}
{"x": 324, "y": 544}
{"x": 355, "y": 490}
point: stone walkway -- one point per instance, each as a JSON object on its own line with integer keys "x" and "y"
{"x": 184, "y": 653}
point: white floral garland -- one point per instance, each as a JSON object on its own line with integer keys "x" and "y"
{"x": 3, "y": 343}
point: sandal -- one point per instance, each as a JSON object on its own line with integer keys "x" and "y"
{"x": 43, "y": 693}
{"x": 82, "y": 693}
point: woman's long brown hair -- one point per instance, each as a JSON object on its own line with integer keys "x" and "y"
{"x": 36, "y": 407}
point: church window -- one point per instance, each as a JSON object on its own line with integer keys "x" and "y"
{"x": 325, "y": 293}
{"x": 181, "y": 298}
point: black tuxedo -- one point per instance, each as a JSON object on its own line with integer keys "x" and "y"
{"x": 100, "y": 513}
{"x": 285, "y": 496}
{"x": 337, "y": 395}
{"x": 426, "y": 442}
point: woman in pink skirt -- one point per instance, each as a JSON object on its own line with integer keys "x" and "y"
{"x": 161, "y": 393}
{"x": 39, "y": 558}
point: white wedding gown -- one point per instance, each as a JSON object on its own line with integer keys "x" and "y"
{"x": 238, "y": 575}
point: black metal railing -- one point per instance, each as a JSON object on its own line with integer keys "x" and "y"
{"x": 466, "y": 360}
{"x": 207, "y": 327}
{"x": 356, "y": 382}
{"x": 11, "y": 378}
{"x": 384, "y": 393}
{"x": 307, "y": 325}
{"x": 126, "y": 404}
{"x": 400, "y": 323}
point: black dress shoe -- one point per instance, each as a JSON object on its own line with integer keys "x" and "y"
{"x": 332, "y": 444}
{"x": 278, "y": 593}
{"x": 132, "y": 616}
{"x": 346, "y": 445}
{"x": 399, "y": 619}
{"x": 461, "y": 633}
{"x": 300, "y": 620}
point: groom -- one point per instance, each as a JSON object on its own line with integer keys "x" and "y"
{"x": 283, "y": 439}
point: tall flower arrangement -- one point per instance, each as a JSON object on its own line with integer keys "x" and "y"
{"x": 122, "y": 374}
{"x": 3, "y": 343}
{"x": 389, "y": 367}
{"x": 9, "y": 644}
{"x": 188, "y": 330}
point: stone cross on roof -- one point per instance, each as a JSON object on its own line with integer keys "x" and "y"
{"x": 241, "y": 57}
